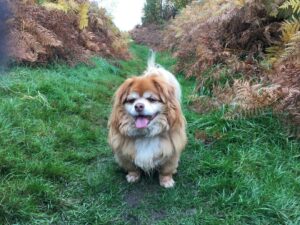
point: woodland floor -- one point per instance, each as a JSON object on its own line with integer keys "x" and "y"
{"x": 57, "y": 168}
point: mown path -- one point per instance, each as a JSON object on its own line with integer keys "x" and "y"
{"x": 56, "y": 166}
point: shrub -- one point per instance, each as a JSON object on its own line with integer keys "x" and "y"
{"x": 73, "y": 31}
{"x": 259, "y": 38}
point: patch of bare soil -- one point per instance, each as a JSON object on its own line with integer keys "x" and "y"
{"x": 134, "y": 197}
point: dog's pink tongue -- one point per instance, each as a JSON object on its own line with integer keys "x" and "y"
{"x": 141, "y": 122}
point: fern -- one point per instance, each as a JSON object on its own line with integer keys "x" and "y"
{"x": 63, "y": 5}
{"x": 83, "y": 15}
{"x": 81, "y": 10}
{"x": 293, "y": 4}
{"x": 289, "y": 45}
{"x": 60, "y": 5}
{"x": 73, "y": 5}
{"x": 289, "y": 29}
{"x": 240, "y": 2}
{"x": 43, "y": 35}
{"x": 274, "y": 53}
{"x": 40, "y": 35}
{"x": 292, "y": 50}
{"x": 27, "y": 47}
{"x": 252, "y": 100}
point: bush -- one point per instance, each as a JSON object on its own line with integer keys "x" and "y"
{"x": 151, "y": 35}
{"x": 71, "y": 32}
{"x": 256, "y": 37}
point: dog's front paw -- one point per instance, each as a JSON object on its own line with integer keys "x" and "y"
{"x": 132, "y": 177}
{"x": 166, "y": 181}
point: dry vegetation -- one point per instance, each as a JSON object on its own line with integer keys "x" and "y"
{"x": 151, "y": 35}
{"x": 69, "y": 30}
{"x": 256, "y": 45}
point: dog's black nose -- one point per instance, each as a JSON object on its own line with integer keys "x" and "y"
{"x": 139, "y": 107}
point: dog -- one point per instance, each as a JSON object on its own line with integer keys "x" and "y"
{"x": 147, "y": 129}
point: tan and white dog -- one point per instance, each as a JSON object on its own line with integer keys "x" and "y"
{"x": 146, "y": 126}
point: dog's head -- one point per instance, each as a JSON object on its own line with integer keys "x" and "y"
{"x": 143, "y": 101}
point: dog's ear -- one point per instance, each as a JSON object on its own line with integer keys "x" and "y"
{"x": 165, "y": 90}
{"x": 168, "y": 97}
{"x": 119, "y": 99}
{"x": 122, "y": 92}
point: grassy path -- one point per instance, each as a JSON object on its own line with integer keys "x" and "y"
{"x": 56, "y": 166}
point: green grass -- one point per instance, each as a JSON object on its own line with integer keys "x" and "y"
{"x": 57, "y": 168}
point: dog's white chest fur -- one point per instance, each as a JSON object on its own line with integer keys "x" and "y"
{"x": 148, "y": 153}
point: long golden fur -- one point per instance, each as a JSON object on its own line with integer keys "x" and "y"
{"x": 170, "y": 123}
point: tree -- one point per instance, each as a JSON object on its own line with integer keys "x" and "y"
{"x": 152, "y": 12}
{"x": 157, "y": 11}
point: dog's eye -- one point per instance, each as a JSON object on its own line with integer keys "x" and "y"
{"x": 151, "y": 99}
{"x": 130, "y": 101}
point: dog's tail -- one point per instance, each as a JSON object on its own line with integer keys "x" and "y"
{"x": 151, "y": 60}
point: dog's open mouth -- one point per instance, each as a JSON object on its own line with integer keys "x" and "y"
{"x": 142, "y": 121}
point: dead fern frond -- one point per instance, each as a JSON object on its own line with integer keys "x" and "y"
{"x": 24, "y": 46}
{"x": 203, "y": 104}
{"x": 251, "y": 100}
{"x": 44, "y": 36}
{"x": 290, "y": 107}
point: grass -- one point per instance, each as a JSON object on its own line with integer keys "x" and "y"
{"x": 56, "y": 166}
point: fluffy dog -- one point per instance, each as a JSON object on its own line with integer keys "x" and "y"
{"x": 146, "y": 126}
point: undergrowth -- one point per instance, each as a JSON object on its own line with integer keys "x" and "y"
{"x": 56, "y": 166}
{"x": 40, "y": 32}
{"x": 259, "y": 39}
